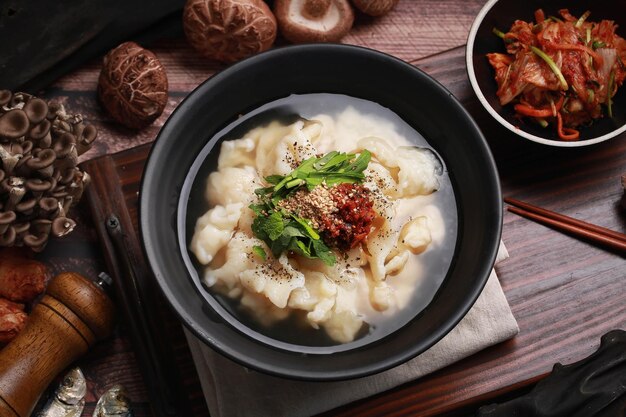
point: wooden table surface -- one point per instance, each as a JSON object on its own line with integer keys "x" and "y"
{"x": 564, "y": 293}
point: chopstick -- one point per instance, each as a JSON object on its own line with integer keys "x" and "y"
{"x": 591, "y": 232}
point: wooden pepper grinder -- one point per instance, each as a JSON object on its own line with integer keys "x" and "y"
{"x": 69, "y": 319}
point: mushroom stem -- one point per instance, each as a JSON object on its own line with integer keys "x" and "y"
{"x": 16, "y": 193}
{"x": 8, "y": 160}
{"x": 315, "y": 9}
{"x": 61, "y": 226}
{"x": 8, "y": 237}
{"x": 6, "y": 218}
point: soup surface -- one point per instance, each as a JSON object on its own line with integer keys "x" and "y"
{"x": 303, "y": 282}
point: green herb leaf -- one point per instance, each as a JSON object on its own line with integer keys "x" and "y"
{"x": 323, "y": 252}
{"x": 274, "y": 225}
{"x": 283, "y": 231}
{"x": 257, "y": 208}
{"x": 274, "y": 179}
{"x": 263, "y": 191}
{"x": 307, "y": 227}
{"x": 259, "y": 251}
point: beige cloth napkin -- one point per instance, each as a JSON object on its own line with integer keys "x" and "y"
{"x": 232, "y": 390}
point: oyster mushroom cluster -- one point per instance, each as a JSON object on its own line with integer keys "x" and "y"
{"x": 39, "y": 180}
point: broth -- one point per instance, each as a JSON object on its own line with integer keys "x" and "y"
{"x": 433, "y": 263}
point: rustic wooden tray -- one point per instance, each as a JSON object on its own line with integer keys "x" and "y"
{"x": 167, "y": 368}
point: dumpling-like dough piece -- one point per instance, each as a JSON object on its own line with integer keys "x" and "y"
{"x": 418, "y": 171}
{"x": 213, "y": 230}
{"x": 382, "y": 185}
{"x": 263, "y": 310}
{"x": 382, "y": 240}
{"x": 237, "y": 259}
{"x": 381, "y": 296}
{"x": 343, "y": 326}
{"x": 232, "y": 185}
{"x": 317, "y": 297}
{"x": 285, "y": 148}
{"x": 275, "y": 280}
{"x": 236, "y": 153}
{"x": 415, "y": 235}
{"x": 384, "y": 153}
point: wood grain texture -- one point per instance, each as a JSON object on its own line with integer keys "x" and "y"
{"x": 61, "y": 328}
{"x": 565, "y": 293}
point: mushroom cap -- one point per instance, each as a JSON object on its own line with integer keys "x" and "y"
{"x": 88, "y": 135}
{"x": 132, "y": 85}
{"x": 27, "y": 146}
{"x": 48, "y": 204}
{"x": 7, "y": 217}
{"x": 5, "y": 97}
{"x": 14, "y": 124}
{"x": 36, "y": 109}
{"x": 61, "y": 226}
{"x": 8, "y": 237}
{"x": 229, "y": 30}
{"x": 314, "y": 9}
{"x": 36, "y": 242}
{"x": 37, "y": 185}
{"x": 64, "y": 144}
{"x": 38, "y": 234}
{"x": 21, "y": 228}
{"x": 26, "y": 206}
{"x": 375, "y": 7}
{"x": 42, "y": 159}
{"x": 40, "y": 130}
{"x": 298, "y": 26}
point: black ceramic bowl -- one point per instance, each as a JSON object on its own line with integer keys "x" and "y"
{"x": 419, "y": 100}
{"x": 501, "y": 14}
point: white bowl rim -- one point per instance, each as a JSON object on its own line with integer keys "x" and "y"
{"x": 474, "y": 83}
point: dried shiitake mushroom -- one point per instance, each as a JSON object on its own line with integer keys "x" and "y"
{"x": 305, "y": 21}
{"x": 133, "y": 85}
{"x": 39, "y": 180}
{"x": 375, "y": 7}
{"x": 229, "y": 30}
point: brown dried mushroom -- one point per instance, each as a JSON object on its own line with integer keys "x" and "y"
{"x": 39, "y": 180}
{"x": 375, "y": 7}
{"x": 133, "y": 85}
{"x": 305, "y": 21}
{"x": 229, "y": 30}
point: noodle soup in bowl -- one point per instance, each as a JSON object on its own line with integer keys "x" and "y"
{"x": 309, "y": 223}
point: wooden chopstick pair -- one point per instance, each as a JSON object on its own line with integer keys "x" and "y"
{"x": 597, "y": 234}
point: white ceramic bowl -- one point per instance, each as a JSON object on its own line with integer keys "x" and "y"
{"x": 501, "y": 14}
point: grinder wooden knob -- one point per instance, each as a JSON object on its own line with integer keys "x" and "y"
{"x": 69, "y": 319}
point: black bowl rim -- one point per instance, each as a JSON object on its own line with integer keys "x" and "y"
{"x": 368, "y": 369}
{"x": 494, "y": 113}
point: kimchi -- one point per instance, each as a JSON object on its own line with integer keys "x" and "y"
{"x": 560, "y": 71}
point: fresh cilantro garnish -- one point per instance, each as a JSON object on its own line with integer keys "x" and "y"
{"x": 332, "y": 168}
{"x": 284, "y": 231}
{"x": 259, "y": 251}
